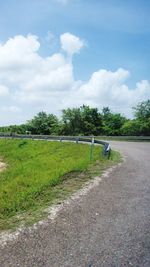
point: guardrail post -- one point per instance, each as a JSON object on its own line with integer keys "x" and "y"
{"x": 107, "y": 150}
{"x": 91, "y": 149}
{"x": 77, "y": 140}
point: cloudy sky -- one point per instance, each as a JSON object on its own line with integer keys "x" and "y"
{"x": 56, "y": 54}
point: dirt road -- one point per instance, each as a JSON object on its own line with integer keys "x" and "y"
{"x": 109, "y": 226}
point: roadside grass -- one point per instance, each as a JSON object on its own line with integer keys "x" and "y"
{"x": 41, "y": 173}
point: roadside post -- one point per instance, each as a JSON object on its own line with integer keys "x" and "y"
{"x": 107, "y": 150}
{"x": 91, "y": 148}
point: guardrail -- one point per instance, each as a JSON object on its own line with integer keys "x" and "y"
{"x": 77, "y": 139}
{"x": 124, "y": 138}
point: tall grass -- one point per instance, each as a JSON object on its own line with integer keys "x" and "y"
{"x": 35, "y": 166}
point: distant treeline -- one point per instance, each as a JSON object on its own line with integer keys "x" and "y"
{"x": 87, "y": 121}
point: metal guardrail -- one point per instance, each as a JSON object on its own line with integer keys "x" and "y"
{"x": 77, "y": 139}
{"x": 124, "y": 137}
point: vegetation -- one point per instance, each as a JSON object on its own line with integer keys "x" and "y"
{"x": 43, "y": 124}
{"x": 112, "y": 123}
{"x": 83, "y": 121}
{"x": 88, "y": 121}
{"x": 35, "y": 170}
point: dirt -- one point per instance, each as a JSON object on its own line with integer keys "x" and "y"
{"x": 2, "y": 166}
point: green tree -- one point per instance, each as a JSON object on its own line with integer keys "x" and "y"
{"x": 91, "y": 121}
{"x": 71, "y": 121}
{"x": 142, "y": 110}
{"x": 142, "y": 115}
{"x": 19, "y": 129}
{"x": 112, "y": 122}
{"x": 43, "y": 124}
{"x": 81, "y": 121}
{"x": 130, "y": 127}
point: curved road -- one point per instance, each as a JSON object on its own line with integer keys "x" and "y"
{"x": 110, "y": 226}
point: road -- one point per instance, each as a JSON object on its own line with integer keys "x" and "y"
{"x": 108, "y": 227}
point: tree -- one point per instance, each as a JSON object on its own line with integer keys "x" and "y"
{"x": 43, "y": 124}
{"x": 130, "y": 127}
{"x": 87, "y": 121}
{"x": 19, "y": 129}
{"x": 91, "y": 121}
{"x": 142, "y": 115}
{"x": 112, "y": 122}
{"x": 81, "y": 121}
{"x": 106, "y": 112}
{"x": 142, "y": 110}
{"x": 71, "y": 121}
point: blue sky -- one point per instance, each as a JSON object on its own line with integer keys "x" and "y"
{"x": 113, "y": 45}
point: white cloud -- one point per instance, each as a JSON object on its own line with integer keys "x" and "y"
{"x": 4, "y": 90}
{"x": 71, "y": 43}
{"x": 107, "y": 88}
{"x": 18, "y": 52}
{"x": 30, "y": 83}
{"x": 104, "y": 84}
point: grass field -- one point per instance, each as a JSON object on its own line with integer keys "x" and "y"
{"x": 35, "y": 169}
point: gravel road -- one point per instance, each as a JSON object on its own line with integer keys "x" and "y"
{"x": 109, "y": 226}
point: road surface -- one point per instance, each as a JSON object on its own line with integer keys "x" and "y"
{"x": 108, "y": 227}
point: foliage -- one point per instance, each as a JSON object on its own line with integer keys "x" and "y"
{"x": 130, "y": 127}
{"x": 91, "y": 121}
{"x": 81, "y": 121}
{"x": 142, "y": 110}
{"x": 112, "y": 123}
{"x": 43, "y": 124}
{"x": 85, "y": 120}
{"x": 20, "y": 129}
{"x": 142, "y": 115}
{"x": 71, "y": 119}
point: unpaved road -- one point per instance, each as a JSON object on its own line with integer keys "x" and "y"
{"x": 110, "y": 226}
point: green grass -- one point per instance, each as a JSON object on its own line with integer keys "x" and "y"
{"x": 39, "y": 172}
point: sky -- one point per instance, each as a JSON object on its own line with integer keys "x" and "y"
{"x": 56, "y": 54}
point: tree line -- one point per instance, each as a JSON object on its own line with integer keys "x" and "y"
{"x": 85, "y": 120}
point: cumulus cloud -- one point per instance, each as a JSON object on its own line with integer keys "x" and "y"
{"x": 27, "y": 73}
{"x": 71, "y": 43}
{"x": 18, "y": 52}
{"x": 30, "y": 83}
{"x": 105, "y": 84}
{"x": 107, "y": 88}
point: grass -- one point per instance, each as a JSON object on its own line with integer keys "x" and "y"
{"x": 40, "y": 173}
